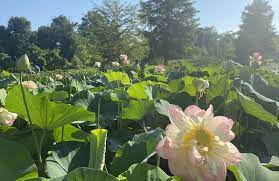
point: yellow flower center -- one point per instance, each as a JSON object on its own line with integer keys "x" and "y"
{"x": 203, "y": 137}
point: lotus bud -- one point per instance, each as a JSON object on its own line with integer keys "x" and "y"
{"x": 200, "y": 85}
{"x": 23, "y": 63}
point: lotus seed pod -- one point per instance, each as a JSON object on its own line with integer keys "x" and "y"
{"x": 23, "y": 63}
{"x": 198, "y": 84}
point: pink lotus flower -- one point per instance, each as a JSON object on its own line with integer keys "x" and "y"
{"x": 115, "y": 64}
{"x": 6, "y": 117}
{"x": 124, "y": 59}
{"x": 59, "y": 77}
{"x": 256, "y": 58}
{"x": 30, "y": 85}
{"x": 197, "y": 144}
{"x": 159, "y": 68}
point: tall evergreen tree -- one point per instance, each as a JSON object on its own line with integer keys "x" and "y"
{"x": 171, "y": 27}
{"x": 256, "y": 31}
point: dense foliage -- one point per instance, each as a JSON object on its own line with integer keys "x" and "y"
{"x": 105, "y": 125}
{"x": 171, "y": 23}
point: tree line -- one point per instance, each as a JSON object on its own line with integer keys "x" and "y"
{"x": 150, "y": 31}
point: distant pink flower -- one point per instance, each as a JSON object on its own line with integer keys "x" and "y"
{"x": 159, "y": 68}
{"x": 197, "y": 144}
{"x": 115, "y": 64}
{"x": 6, "y": 117}
{"x": 59, "y": 77}
{"x": 30, "y": 85}
{"x": 256, "y": 58}
{"x": 124, "y": 59}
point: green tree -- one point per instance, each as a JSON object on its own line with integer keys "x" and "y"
{"x": 171, "y": 27}
{"x": 256, "y": 31}
{"x": 6, "y": 61}
{"x": 37, "y": 55}
{"x": 3, "y": 38}
{"x": 275, "y": 44}
{"x": 113, "y": 29}
{"x": 19, "y": 32}
{"x": 55, "y": 60}
{"x": 45, "y": 38}
{"x": 227, "y": 49}
{"x": 86, "y": 52}
{"x": 207, "y": 40}
{"x": 59, "y": 35}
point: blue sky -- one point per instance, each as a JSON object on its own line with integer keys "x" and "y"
{"x": 225, "y": 15}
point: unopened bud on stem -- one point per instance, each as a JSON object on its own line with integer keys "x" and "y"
{"x": 23, "y": 63}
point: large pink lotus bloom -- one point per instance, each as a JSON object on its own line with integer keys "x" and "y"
{"x": 6, "y": 117}
{"x": 197, "y": 144}
{"x": 30, "y": 85}
{"x": 159, "y": 68}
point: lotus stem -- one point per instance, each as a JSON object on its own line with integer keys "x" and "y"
{"x": 62, "y": 132}
{"x": 197, "y": 99}
{"x": 98, "y": 113}
{"x": 30, "y": 121}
